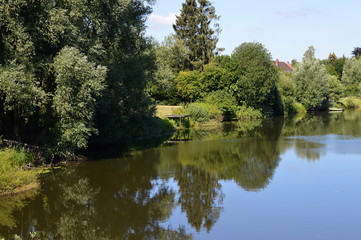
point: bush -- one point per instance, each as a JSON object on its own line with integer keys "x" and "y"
{"x": 350, "y": 102}
{"x": 299, "y": 107}
{"x": 221, "y": 105}
{"x": 163, "y": 125}
{"x": 244, "y": 112}
{"x": 291, "y": 106}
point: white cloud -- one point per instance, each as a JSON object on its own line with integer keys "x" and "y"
{"x": 168, "y": 20}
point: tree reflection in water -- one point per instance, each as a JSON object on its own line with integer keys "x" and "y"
{"x": 200, "y": 197}
{"x": 133, "y": 198}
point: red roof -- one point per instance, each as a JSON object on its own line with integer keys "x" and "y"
{"x": 285, "y": 66}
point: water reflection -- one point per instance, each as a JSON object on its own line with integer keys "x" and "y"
{"x": 9, "y": 204}
{"x": 133, "y": 197}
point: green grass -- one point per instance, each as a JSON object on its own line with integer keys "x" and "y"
{"x": 163, "y": 110}
{"x": 14, "y": 177}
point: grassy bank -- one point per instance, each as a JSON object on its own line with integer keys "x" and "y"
{"x": 205, "y": 115}
{"x": 15, "y": 177}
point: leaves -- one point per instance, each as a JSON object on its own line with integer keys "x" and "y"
{"x": 19, "y": 90}
{"x": 79, "y": 84}
{"x": 193, "y": 26}
{"x": 312, "y": 82}
{"x": 256, "y": 76}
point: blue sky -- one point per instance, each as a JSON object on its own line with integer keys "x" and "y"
{"x": 286, "y": 28}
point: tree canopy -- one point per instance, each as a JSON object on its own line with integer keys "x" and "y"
{"x": 312, "y": 82}
{"x": 56, "y": 60}
{"x": 257, "y": 77}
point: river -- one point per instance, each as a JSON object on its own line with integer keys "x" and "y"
{"x": 281, "y": 178}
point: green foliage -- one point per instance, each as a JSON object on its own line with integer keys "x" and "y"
{"x": 287, "y": 89}
{"x": 286, "y": 85}
{"x": 188, "y": 86}
{"x": 312, "y": 82}
{"x": 19, "y": 90}
{"x": 193, "y": 26}
{"x": 334, "y": 65}
{"x": 193, "y": 85}
{"x": 10, "y": 204}
{"x": 171, "y": 57}
{"x": 213, "y": 78}
{"x": 244, "y": 112}
{"x": 351, "y": 77}
{"x": 257, "y": 77}
{"x": 13, "y": 174}
{"x": 174, "y": 52}
{"x": 49, "y": 75}
{"x": 288, "y": 104}
{"x": 221, "y": 105}
{"x": 336, "y": 90}
{"x": 198, "y": 111}
{"x": 78, "y": 85}
{"x": 298, "y": 107}
{"x": 350, "y": 102}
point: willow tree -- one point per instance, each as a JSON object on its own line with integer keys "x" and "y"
{"x": 312, "y": 82}
{"x": 194, "y": 27}
{"x": 58, "y": 59}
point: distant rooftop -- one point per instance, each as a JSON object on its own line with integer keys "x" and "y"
{"x": 286, "y": 66}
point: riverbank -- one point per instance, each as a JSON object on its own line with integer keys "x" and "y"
{"x": 15, "y": 173}
{"x": 19, "y": 169}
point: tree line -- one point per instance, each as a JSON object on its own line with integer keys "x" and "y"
{"x": 247, "y": 77}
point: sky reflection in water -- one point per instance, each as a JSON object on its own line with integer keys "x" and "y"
{"x": 279, "y": 179}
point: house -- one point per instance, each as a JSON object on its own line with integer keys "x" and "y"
{"x": 285, "y": 66}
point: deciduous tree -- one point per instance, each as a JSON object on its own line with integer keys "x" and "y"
{"x": 34, "y": 36}
{"x": 351, "y": 77}
{"x": 256, "y": 77}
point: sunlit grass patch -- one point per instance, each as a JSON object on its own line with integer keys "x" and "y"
{"x": 163, "y": 110}
{"x": 14, "y": 177}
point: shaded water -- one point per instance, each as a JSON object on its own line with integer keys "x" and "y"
{"x": 282, "y": 178}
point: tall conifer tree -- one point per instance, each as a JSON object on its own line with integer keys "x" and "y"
{"x": 193, "y": 26}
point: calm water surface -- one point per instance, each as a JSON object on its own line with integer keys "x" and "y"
{"x": 284, "y": 178}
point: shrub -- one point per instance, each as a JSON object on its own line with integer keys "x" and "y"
{"x": 221, "y": 105}
{"x": 350, "y": 102}
{"x": 291, "y": 106}
{"x": 299, "y": 107}
{"x": 244, "y": 112}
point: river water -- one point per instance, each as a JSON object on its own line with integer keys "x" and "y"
{"x": 282, "y": 178}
